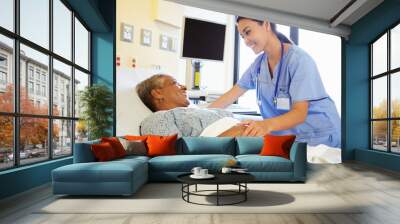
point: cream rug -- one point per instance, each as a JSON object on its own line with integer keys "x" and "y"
{"x": 166, "y": 198}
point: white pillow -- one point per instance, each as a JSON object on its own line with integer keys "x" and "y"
{"x": 130, "y": 109}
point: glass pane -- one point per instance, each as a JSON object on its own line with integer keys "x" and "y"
{"x": 81, "y": 81}
{"x": 395, "y": 47}
{"x": 395, "y": 136}
{"x": 6, "y": 142}
{"x": 395, "y": 94}
{"x": 62, "y": 29}
{"x": 379, "y": 55}
{"x": 62, "y": 89}
{"x": 35, "y": 21}
{"x": 379, "y": 98}
{"x": 6, "y": 74}
{"x": 7, "y": 14}
{"x": 33, "y": 139}
{"x": 81, "y": 131}
{"x": 81, "y": 45}
{"x": 379, "y": 135}
{"x": 62, "y": 138}
{"x": 34, "y": 92}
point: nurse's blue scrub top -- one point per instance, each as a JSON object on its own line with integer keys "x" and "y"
{"x": 299, "y": 81}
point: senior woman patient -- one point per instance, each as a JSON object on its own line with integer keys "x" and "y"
{"x": 163, "y": 95}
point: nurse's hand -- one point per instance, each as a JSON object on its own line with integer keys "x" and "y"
{"x": 256, "y": 128}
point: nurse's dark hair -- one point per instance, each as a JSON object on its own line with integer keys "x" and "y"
{"x": 280, "y": 36}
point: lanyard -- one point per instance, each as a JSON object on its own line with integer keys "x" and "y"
{"x": 277, "y": 79}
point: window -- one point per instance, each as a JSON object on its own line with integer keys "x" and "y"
{"x": 7, "y": 14}
{"x": 37, "y": 74}
{"x": 34, "y": 21}
{"x": 81, "y": 45}
{"x": 3, "y": 61}
{"x": 62, "y": 29}
{"x": 30, "y": 87}
{"x": 44, "y": 91}
{"x": 54, "y": 125}
{"x": 62, "y": 75}
{"x": 3, "y": 78}
{"x": 81, "y": 81}
{"x": 385, "y": 97}
{"x": 6, "y": 73}
{"x": 38, "y": 89}
{"x": 3, "y": 72}
{"x": 30, "y": 72}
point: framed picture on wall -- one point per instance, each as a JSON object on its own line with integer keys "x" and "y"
{"x": 164, "y": 42}
{"x": 126, "y": 32}
{"x": 145, "y": 37}
{"x": 172, "y": 44}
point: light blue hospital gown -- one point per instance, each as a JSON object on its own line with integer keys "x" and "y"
{"x": 182, "y": 120}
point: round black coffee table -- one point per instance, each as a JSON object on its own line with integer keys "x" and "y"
{"x": 238, "y": 179}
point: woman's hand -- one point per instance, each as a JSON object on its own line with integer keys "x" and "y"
{"x": 256, "y": 128}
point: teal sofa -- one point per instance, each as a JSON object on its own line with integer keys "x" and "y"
{"x": 125, "y": 176}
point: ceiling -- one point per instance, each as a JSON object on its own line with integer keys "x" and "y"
{"x": 327, "y": 16}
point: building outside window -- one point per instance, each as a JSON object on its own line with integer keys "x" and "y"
{"x": 3, "y": 72}
{"x": 385, "y": 97}
{"x": 34, "y": 81}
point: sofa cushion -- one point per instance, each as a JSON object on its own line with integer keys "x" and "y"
{"x": 83, "y": 153}
{"x": 277, "y": 145}
{"x": 116, "y": 145}
{"x": 257, "y": 163}
{"x": 161, "y": 145}
{"x": 112, "y": 171}
{"x": 103, "y": 152}
{"x": 185, "y": 163}
{"x": 206, "y": 145}
{"x": 134, "y": 147}
{"x": 249, "y": 145}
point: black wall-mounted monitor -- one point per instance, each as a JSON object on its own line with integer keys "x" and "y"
{"x": 203, "y": 40}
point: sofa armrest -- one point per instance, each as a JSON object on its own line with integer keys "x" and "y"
{"x": 83, "y": 152}
{"x": 298, "y": 155}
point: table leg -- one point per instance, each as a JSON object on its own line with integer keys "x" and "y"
{"x": 217, "y": 194}
{"x": 245, "y": 193}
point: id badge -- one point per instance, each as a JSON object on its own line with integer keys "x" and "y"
{"x": 283, "y": 103}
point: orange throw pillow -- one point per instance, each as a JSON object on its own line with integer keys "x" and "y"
{"x": 116, "y": 145}
{"x": 135, "y": 138}
{"x": 161, "y": 145}
{"x": 275, "y": 145}
{"x": 103, "y": 152}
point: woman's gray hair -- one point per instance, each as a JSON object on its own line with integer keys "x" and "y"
{"x": 145, "y": 87}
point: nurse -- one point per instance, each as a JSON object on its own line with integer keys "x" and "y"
{"x": 290, "y": 93}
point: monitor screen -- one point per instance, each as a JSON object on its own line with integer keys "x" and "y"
{"x": 203, "y": 40}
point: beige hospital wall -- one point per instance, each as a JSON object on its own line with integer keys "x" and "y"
{"x": 160, "y": 17}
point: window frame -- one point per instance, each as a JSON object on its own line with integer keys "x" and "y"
{"x": 388, "y": 74}
{"x": 16, "y": 115}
